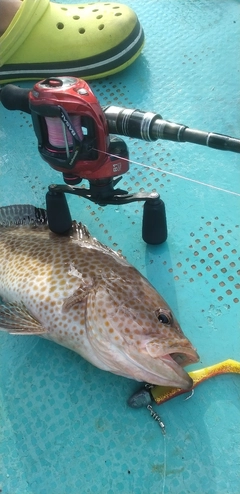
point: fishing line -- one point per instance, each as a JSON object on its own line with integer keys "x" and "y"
{"x": 172, "y": 173}
{"x": 164, "y": 463}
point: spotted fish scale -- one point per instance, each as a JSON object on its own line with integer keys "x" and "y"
{"x": 75, "y": 291}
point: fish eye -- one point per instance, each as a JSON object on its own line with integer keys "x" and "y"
{"x": 164, "y": 316}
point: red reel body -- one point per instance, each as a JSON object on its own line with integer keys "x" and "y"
{"x": 72, "y": 131}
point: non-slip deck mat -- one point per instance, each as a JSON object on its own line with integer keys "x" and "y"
{"x": 65, "y": 425}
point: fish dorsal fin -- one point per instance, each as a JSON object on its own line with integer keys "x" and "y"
{"x": 22, "y": 214}
{"x": 29, "y": 215}
{"x": 16, "y": 319}
{"x": 81, "y": 233}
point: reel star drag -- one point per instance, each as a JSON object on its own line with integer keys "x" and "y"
{"x": 77, "y": 137}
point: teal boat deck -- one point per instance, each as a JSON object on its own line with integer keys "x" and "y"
{"x": 65, "y": 425}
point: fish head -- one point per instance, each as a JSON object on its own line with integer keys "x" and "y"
{"x": 135, "y": 334}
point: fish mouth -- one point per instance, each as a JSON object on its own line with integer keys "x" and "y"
{"x": 164, "y": 369}
{"x": 167, "y": 361}
{"x": 176, "y": 361}
{"x": 183, "y": 359}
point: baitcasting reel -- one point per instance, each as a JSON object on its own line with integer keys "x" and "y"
{"x": 75, "y": 137}
{"x": 72, "y": 132}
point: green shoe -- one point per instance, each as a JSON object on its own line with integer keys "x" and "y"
{"x": 88, "y": 40}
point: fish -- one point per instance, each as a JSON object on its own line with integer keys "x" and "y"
{"x": 73, "y": 290}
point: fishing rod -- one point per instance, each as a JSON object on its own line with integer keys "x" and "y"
{"x": 79, "y": 137}
{"x": 139, "y": 124}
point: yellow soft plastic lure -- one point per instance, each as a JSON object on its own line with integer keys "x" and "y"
{"x": 160, "y": 394}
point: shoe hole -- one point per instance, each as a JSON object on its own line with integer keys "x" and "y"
{"x": 60, "y": 25}
{"x": 99, "y": 17}
{"x": 118, "y": 13}
{"x": 81, "y": 30}
{"x": 95, "y": 10}
{"x": 80, "y": 7}
{"x": 76, "y": 17}
{"x": 117, "y": 7}
{"x": 100, "y": 27}
{"x": 64, "y": 8}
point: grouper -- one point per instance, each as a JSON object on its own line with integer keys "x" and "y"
{"x": 75, "y": 291}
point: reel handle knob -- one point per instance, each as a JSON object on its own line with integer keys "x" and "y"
{"x": 58, "y": 214}
{"x": 154, "y": 225}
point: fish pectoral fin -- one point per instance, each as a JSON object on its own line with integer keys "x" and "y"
{"x": 16, "y": 319}
{"x": 77, "y": 297}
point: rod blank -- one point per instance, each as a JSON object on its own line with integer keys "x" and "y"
{"x": 151, "y": 126}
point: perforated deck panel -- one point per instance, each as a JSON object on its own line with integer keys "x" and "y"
{"x": 65, "y": 425}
